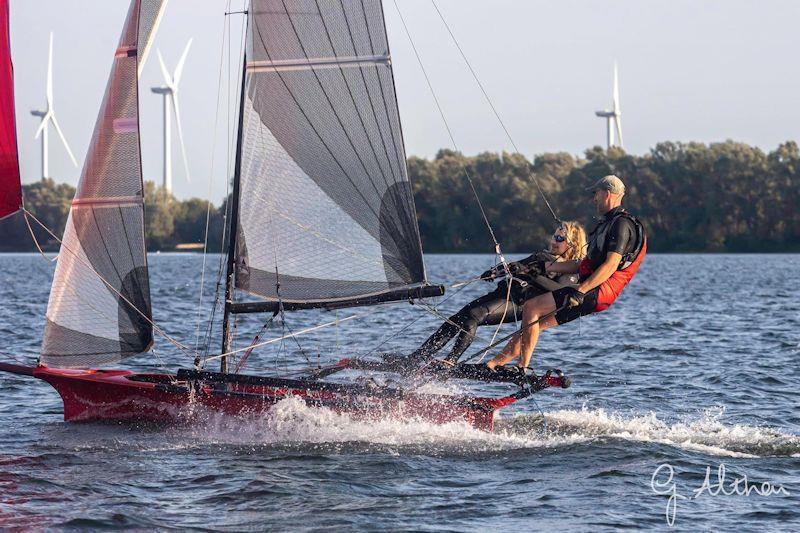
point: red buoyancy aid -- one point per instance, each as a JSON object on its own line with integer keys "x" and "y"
{"x": 611, "y": 288}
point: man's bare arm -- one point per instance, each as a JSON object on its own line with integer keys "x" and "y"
{"x": 563, "y": 267}
{"x": 602, "y": 273}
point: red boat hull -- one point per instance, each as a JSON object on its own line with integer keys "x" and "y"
{"x": 117, "y": 395}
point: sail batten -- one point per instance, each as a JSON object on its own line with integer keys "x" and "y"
{"x": 99, "y": 309}
{"x": 325, "y": 206}
{"x": 319, "y": 62}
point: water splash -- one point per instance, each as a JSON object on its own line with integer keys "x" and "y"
{"x": 292, "y": 422}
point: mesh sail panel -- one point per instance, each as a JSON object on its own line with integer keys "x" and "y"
{"x": 99, "y": 307}
{"x": 10, "y": 186}
{"x": 326, "y": 207}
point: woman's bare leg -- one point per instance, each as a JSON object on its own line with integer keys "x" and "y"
{"x": 509, "y": 352}
{"x": 524, "y": 341}
{"x": 532, "y": 311}
{"x": 547, "y": 323}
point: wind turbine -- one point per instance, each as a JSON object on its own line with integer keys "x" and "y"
{"x": 48, "y": 116}
{"x": 613, "y": 115}
{"x": 169, "y": 92}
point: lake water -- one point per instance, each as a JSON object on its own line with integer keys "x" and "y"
{"x": 695, "y": 366}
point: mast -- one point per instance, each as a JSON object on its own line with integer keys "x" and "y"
{"x": 227, "y": 333}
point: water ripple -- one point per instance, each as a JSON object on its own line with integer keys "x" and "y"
{"x": 679, "y": 371}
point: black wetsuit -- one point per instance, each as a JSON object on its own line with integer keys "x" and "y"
{"x": 488, "y": 310}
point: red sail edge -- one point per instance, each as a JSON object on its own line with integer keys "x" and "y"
{"x": 10, "y": 185}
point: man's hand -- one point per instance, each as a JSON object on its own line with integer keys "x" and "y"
{"x": 574, "y": 298}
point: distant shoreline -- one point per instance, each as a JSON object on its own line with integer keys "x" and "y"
{"x": 716, "y": 198}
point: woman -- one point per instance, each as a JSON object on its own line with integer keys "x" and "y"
{"x": 504, "y": 304}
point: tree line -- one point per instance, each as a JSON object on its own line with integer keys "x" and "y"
{"x": 692, "y": 197}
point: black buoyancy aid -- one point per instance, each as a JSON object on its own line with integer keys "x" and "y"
{"x": 597, "y": 240}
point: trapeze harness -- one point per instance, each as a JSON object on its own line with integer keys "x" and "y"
{"x": 610, "y": 289}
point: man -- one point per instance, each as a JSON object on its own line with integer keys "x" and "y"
{"x": 616, "y": 248}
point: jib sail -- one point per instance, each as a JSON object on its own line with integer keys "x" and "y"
{"x": 99, "y": 307}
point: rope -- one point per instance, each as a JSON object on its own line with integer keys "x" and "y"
{"x": 247, "y": 353}
{"x": 33, "y": 236}
{"x": 505, "y": 311}
{"x": 284, "y": 337}
{"x": 491, "y": 105}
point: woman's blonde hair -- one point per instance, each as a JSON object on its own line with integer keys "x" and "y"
{"x": 576, "y": 239}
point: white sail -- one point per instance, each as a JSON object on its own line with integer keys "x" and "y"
{"x": 99, "y": 306}
{"x": 326, "y": 210}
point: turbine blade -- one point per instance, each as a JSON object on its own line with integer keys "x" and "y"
{"x": 63, "y": 139}
{"x": 616, "y": 89}
{"x": 164, "y": 70}
{"x": 42, "y": 125}
{"x": 179, "y": 69}
{"x": 49, "y": 89}
{"x": 177, "y": 110}
{"x": 618, "y": 124}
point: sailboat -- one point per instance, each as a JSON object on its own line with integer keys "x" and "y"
{"x": 321, "y": 217}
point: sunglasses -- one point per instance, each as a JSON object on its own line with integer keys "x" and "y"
{"x": 559, "y": 238}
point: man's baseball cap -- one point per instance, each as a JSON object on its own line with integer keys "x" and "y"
{"x": 609, "y": 183}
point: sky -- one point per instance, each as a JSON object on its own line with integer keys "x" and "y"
{"x": 689, "y": 70}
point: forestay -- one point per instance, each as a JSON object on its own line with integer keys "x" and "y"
{"x": 99, "y": 307}
{"x": 326, "y": 210}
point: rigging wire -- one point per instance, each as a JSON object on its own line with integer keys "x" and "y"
{"x": 226, "y": 214}
{"x": 449, "y": 131}
{"x": 544, "y": 418}
{"x": 225, "y": 31}
{"x": 14, "y": 358}
{"x": 491, "y": 105}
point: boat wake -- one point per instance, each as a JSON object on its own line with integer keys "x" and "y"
{"x": 293, "y": 423}
{"x": 706, "y": 433}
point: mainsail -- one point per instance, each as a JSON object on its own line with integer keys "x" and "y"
{"x": 99, "y": 307}
{"x": 325, "y": 208}
{"x": 10, "y": 187}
